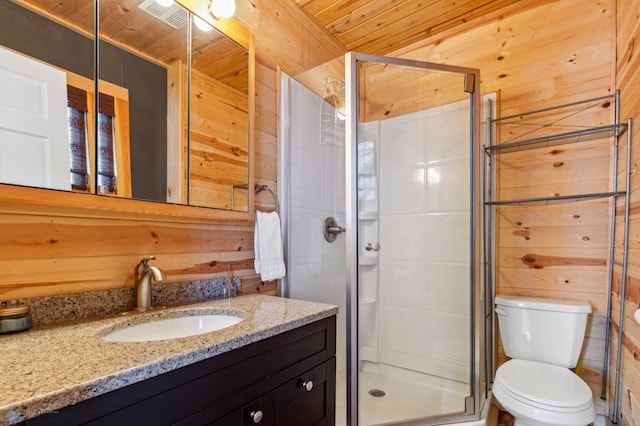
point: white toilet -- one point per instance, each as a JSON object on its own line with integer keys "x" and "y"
{"x": 543, "y": 338}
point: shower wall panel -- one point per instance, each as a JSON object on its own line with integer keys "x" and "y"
{"x": 316, "y": 268}
{"x": 425, "y": 239}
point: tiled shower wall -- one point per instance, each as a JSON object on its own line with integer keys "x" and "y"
{"x": 317, "y": 269}
{"x": 424, "y": 184}
{"x": 415, "y": 301}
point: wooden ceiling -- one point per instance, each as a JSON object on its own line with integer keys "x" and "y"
{"x": 383, "y": 26}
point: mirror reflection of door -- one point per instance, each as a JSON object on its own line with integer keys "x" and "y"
{"x": 36, "y": 39}
{"x": 34, "y": 137}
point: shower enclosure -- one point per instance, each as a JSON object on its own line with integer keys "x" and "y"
{"x": 379, "y": 176}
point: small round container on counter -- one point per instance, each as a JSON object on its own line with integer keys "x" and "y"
{"x": 14, "y": 318}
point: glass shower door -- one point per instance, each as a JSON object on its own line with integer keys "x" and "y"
{"x": 412, "y": 202}
{"x": 388, "y": 148}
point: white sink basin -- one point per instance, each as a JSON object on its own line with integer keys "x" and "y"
{"x": 173, "y": 328}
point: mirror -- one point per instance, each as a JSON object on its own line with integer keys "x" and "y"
{"x": 138, "y": 135}
{"x": 141, "y": 44}
{"x": 38, "y": 59}
{"x": 219, "y": 121}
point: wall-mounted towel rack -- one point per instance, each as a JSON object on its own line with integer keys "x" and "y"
{"x": 259, "y": 188}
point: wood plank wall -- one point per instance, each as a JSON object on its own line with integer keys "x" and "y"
{"x": 553, "y": 52}
{"x": 218, "y": 148}
{"x": 48, "y": 251}
{"x": 628, "y": 81}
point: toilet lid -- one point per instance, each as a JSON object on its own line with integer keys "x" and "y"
{"x": 544, "y": 384}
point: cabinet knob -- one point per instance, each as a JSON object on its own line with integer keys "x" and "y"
{"x": 308, "y": 385}
{"x": 256, "y": 416}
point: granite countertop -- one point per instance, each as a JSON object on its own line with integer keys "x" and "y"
{"x": 50, "y": 367}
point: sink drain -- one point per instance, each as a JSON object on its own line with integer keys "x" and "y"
{"x": 378, "y": 393}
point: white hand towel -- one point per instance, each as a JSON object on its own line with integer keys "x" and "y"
{"x": 269, "y": 258}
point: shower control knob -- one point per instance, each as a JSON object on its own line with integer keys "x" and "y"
{"x": 308, "y": 385}
{"x": 372, "y": 247}
{"x": 256, "y": 416}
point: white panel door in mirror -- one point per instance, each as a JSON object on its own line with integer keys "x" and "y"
{"x": 34, "y": 134}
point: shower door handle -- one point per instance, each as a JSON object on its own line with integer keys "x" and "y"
{"x": 335, "y": 229}
{"x": 372, "y": 247}
{"x": 332, "y": 229}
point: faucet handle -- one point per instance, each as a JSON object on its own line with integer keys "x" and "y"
{"x": 142, "y": 265}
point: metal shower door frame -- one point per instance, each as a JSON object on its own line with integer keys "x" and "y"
{"x": 472, "y": 82}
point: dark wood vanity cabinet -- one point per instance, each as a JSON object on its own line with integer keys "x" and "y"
{"x": 287, "y": 379}
{"x": 290, "y": 404}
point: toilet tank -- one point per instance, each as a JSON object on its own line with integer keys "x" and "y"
{"x": 543, "y": 330}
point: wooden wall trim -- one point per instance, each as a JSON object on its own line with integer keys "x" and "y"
{"x": 21, "y": 200}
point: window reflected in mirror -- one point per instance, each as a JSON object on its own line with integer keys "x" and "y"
{"x": 78, "y": 111}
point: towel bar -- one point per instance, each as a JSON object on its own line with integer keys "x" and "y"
{"x": 259, "y": 188}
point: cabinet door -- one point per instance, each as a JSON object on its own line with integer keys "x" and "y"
{"x": 310, "y": 398}
{"x": 263, "y": 411}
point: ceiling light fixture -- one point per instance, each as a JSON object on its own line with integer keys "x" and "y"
{"x": 165, "y": 3}
{"x": 202, "y": 24}
{"x": 222, "y": 8}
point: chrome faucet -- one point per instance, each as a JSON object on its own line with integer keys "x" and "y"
{"x": 144, "y": 274}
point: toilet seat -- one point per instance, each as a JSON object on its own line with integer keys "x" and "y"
{"x": 543, "y": 392}
{"x": 544, "y": 385}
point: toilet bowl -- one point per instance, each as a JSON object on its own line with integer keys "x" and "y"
{"x": 543, "y": 338}
{"x": 538, "y": 394}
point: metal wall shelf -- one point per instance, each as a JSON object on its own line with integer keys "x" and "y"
{"x": 557, "y": 117}
{"x": 576, "y": 136}
{"x": 560, "y": 199}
